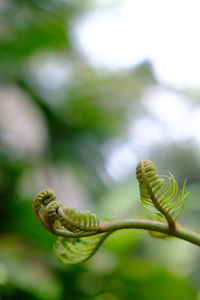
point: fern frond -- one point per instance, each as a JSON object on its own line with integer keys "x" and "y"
{"x": 78, "y": 250}
{"x": 51, "y": 212}
{"x": 78, "y": 221}
{"x": 160, "y": 193}
{"x": 41, "y": 200}
{"x": 80, "y": 234}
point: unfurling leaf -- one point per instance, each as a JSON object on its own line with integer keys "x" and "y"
{"x": 78, "y": 221}
{"x": 159, "y": 193}
{"x": 78, "y": 250}
{"x": 80, "y": 234}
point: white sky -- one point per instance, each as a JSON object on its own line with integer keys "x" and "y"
{"x": 166, "y": 32}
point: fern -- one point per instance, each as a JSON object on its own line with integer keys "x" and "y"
{"x": 41, "y": 200}
{"x": 76, "y": 221}
{"x": 80, "y": 233}
{"x": 77, "y": 250}
{"x": 160, "y": 193}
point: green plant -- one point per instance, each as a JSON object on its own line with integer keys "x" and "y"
{"x": 81, "y": 233}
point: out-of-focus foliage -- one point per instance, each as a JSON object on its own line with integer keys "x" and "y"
{"x": 58, "y": 118}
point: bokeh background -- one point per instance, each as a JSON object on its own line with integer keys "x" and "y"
{"x": 87, "y": 89}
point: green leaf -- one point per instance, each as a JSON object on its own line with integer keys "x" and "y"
{"x": 78, "y": 250}
{"x": 78, "y": 221}
{"x": 159, "y": 193}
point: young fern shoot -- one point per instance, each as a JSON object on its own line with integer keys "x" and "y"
{"x": 80, "y": 233}
{"x": 159, "y": 193}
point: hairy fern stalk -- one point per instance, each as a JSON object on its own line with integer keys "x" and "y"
{"x": 80, "y": 233}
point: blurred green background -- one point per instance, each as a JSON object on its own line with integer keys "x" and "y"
{"x": 81, "y": 130}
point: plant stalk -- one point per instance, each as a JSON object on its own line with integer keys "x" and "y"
{"x": 179, "y": 231}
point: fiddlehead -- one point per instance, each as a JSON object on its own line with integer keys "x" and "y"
{"x": 50, "y": 214}
{"x": 69, "y": 224}
{"x": 159, "y": 193}
{"x": 80, "y": 232}
{"x": 41, "y": 200}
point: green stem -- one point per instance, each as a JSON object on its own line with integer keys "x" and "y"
{"x": 67, "y": 234}
{"x": 112, "y": 226}
{"x": 179, "y": 232}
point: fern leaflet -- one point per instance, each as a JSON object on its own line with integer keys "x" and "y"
{"x": 76, "y": 221}
{"x": 78, "y": 250}
{"x": 160, "y": 193}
